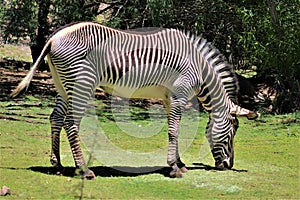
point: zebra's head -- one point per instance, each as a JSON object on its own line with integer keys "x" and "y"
{"x": 221, "y": 132}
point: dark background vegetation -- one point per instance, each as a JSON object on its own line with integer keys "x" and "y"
{"x": 260, "y": 38}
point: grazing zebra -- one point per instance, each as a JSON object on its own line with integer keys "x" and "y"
{"x": 165, "y": 63}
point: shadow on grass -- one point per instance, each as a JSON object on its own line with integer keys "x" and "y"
{"x": 123, "y": 171}
{"x": 210, "y": 168}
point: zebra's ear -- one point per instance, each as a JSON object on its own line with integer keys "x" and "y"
{"x": 243, "y": 112}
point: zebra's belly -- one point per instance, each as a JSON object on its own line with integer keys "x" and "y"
{"x": 159, "y": 92}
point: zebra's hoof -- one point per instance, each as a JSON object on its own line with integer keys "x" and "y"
{"x": 89, "y": 175}
{"x": 184, "y": 170}
{"x": 178, "y": 172}
{"x": 60, "y": 170}
{"x": 59, "y": 173}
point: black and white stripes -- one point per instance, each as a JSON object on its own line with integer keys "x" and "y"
{"x": 164, "y": 63}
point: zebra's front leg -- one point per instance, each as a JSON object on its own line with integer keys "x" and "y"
{"x": 174, "y": 117}
{"x": 57, "y": 121}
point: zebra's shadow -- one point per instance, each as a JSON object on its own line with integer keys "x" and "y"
{"x": 211, "y": 168}
{"x": 124, "y": 171}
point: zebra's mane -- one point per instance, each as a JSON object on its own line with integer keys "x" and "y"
{"x": 223, "y": 69}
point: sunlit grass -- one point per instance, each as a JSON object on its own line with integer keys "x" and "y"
{"x": 15, "y": 52}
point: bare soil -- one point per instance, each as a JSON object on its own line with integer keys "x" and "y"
{"x": 42, "y": 83}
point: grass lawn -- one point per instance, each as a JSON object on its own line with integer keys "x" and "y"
{"x": 129, "y": 156}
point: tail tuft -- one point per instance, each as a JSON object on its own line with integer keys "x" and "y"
{"x": 24, "y": 84}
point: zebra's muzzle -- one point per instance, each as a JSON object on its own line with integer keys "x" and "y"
{"x": 227, "y": 163}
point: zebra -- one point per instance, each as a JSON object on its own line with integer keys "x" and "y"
{"x": 168, "y": 64}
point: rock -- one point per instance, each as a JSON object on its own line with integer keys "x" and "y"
{"x": 4, "y": 191}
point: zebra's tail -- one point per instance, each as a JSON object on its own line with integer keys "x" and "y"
{"x": 26, "y": 81}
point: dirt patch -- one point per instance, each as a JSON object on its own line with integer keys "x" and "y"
{"x": 41, "y": 85}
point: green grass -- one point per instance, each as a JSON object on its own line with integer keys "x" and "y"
{"x": 266, "y": 156}
{"x": 20, "y": 52}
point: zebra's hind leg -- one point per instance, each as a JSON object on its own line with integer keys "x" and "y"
{"x": 71, "y": 126}
{"x": 79, "y": 95}
{"x": 57, "y": 121}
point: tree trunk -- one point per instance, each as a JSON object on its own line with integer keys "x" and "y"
{"x": 275, "y": 18}
{"x": 42, "y": 31}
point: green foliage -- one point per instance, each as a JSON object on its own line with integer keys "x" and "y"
{"x": 129, "y": 14}
{"x": 270, "y": 41}
{"x": 160, "y": 12}
{"x": 2, "y": 13}
{"x": 19, "y": 19}
{"x": 263, "y": 39}
{"x": 64, "y": 12}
